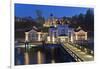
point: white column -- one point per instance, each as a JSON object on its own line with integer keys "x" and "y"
{"x": 86, "y": 36}
{"x": 53, "y": 39}
{"x": 26, "y": 36}
{"x": 76, "y": 36}
{"x": 39, "y": 36}
{"x": 48, "y": 38}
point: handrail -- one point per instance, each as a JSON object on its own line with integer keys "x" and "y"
{"x": 91, "y": 51}
{"x": 73, "y": 53}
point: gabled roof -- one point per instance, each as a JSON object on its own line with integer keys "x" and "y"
{"x": 34, "y": 28}
{"x": 79, "y": 28}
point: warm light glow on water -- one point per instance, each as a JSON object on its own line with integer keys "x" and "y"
{"x": 52, "y": 61}
{"x": 26, "y": 58}
{"x": 51, "y": 53}
{"x": 39, "y": 57}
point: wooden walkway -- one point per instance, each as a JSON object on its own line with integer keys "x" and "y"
{"x": 82, "y": 55}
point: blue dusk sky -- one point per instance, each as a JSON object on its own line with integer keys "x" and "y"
{"x": 25, "y": 10}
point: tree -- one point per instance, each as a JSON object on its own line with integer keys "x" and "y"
{"x": 81, "y": 19}
{"x": 89, "y": 20}
{"x": 74, "y": 21}
{"x": 40, "y": 19}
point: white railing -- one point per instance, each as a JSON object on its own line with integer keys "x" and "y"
{"x": 78, "y": 59}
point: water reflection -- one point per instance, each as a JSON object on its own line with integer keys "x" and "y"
{"x": 19, "y": 56}
{"x": 48, "y": 53}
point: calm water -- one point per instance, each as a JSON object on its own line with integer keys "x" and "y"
{"x": 48, "y": 53}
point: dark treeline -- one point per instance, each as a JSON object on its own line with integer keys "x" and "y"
{"x": 28, "y": 22}
{"x": 25, "y": 24}
{"x": 86, "y": 21}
